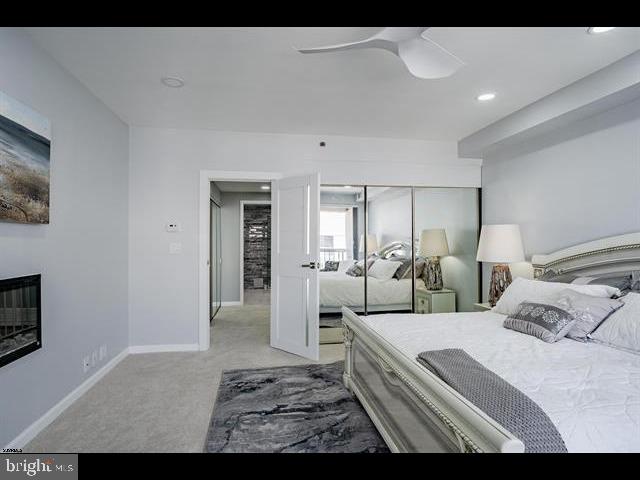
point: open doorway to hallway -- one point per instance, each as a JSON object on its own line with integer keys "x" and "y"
{"x": 255, "y": 255}
{"x": 241, "y": 239}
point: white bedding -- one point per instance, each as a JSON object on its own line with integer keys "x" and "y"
{"x": 590, "y": 392}
{"x": 338, "y": 289}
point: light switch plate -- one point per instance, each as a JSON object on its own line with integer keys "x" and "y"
{"x": 173, "y": 227}
{"x": 175, "y": 248}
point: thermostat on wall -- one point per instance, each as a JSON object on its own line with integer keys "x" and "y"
{"x": 174, "y": 227}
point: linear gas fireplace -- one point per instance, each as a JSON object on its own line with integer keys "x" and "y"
{"x": 20, "y": 316}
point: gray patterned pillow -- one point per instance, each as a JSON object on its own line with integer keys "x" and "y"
{"x": 404, "y": 271}
{"x": 331, "y": 266}
{"x": 549, "y": 323}
{"x": 589, "y": 311}
{"x": 357, "y": 269}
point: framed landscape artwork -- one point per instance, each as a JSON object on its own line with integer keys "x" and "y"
{"x": 25, "y": 147}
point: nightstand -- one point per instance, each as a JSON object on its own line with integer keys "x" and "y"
{"x": 435, "y": 301}
{"x": 481, "y": 307}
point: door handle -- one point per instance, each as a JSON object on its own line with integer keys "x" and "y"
{"x": 311, "y": 265}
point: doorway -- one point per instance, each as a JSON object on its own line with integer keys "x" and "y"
{"x": 291, "y": 319}
{"x": 255, "y": 252}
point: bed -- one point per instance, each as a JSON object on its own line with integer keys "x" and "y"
{"x": 593, "y": 400}
{"x": 337, "y": 289}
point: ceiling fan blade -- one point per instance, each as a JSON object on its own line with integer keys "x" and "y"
{"x": 368, "y": 43}
{"x": 400, "y": 34}
{"x": 426, "y": 59}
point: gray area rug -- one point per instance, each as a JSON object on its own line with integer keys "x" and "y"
{"x": 303, "y": 408}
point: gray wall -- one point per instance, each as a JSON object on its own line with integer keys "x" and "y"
{"x": 230, "y": 213}
{"x": 164, "y": 288}
{"x": 579, "y": 184}
{"x": 82, "y": 253}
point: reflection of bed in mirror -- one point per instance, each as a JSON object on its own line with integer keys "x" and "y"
{"x": 337, "y": 289}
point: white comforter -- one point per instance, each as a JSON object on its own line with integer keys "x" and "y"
{"x": 338, "y": 289}
{"x": 591, "y": 392}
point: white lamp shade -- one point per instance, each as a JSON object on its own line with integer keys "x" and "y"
{"x": 500, "y": 244}
{"x": 433, "y": 243}
{"x": 372, "y": 243}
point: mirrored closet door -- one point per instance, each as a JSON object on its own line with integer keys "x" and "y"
{"x": 446, "y": 225}
{"x": 419, "y": 244}
{"x": 389, "y": 279}
{"x": 341, "y": 227}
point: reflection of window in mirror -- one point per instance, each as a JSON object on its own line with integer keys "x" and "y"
{"x": 341, "y": 226}
{"x": 336, "y": 234}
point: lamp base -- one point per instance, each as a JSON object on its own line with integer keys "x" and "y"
{"x": 433, "y": 275}
{"x": 500, "y": 280}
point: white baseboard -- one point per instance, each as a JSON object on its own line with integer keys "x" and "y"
{"x": 180, "y": 347}
{"x": 231, "y": 304}
{"x": 36, "y": 427}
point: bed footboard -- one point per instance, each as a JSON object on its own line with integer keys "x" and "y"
{"x": 412, "y": 408}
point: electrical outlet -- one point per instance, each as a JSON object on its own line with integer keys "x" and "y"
{"x": 103, "y": 352}
{"x": 86, "y": 363}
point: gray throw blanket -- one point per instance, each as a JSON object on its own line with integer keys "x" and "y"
{"x": 496, "y": 397}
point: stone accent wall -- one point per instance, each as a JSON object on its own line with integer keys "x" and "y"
{"x": 257, "y": 246}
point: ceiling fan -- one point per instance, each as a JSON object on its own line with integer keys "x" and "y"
{"x": 423, "y": 58}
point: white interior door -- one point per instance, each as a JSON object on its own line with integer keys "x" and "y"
{"x": 294, "y": 311}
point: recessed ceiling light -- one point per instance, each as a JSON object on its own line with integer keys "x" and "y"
{"x": 173, "y": 82}
{"x": 485, "y": 97}
{"x": 596, "y": 30}
{"x": 347, "y": 186}
{"x": 265, "y": 187}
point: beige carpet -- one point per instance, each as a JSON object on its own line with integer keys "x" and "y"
{"x": 162, "y": 402}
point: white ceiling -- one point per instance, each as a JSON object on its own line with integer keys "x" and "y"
{"x": 252, "y": 79}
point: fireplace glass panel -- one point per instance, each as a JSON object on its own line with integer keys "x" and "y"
{"x": 20, "y": 331}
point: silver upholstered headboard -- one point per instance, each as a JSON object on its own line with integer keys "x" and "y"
{"x": 607, "y": 255}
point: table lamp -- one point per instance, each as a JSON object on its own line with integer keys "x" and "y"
{"x": 500, "y": 244}
{"x": 433, "y": 245}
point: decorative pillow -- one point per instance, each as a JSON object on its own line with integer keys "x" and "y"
{"x": 523, "y": 289}
{"x": 623, "y": 282}
{"x": 331, "y": 266}
{"x": 404, "y": 271}
{"x": 589, "y": 311}
{"x": 549, "y": 323}
{"x": 357, "y": 269}
{"x": 383, "y": 269}
{"x": 622, "y": 329}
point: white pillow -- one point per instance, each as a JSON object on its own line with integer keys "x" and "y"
{"x": 622, "y": 328}
{"x": 537, "y": 291}
{"x": 383, "y": 269}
